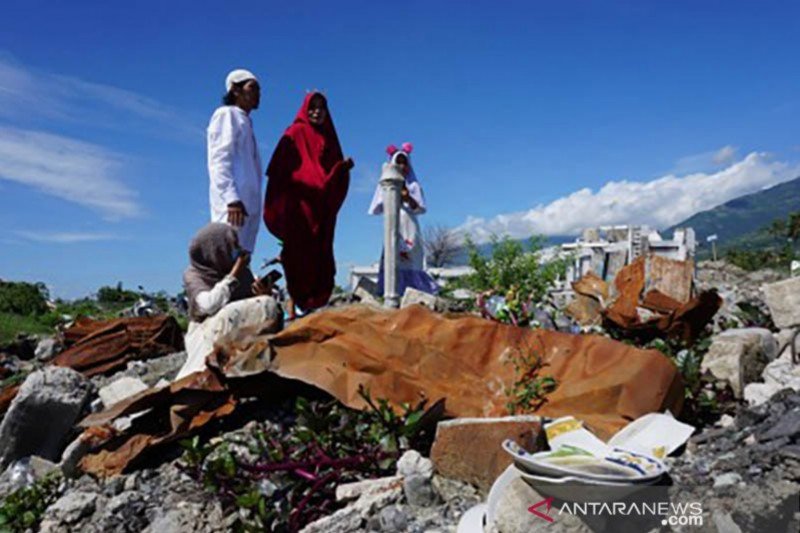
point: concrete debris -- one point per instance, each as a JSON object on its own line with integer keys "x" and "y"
{"x": 468, "y": 449}
{"x": 739, "y": 356}
{"x": 726, "y": 480}
{"x": 650, "y": 297}
{"x": 351, "y": 491}
{"x": 413, "y": 296}
{"x": 783, "y": 299}
{"x": 606, "y": 250}
{"x": 40, "y": 418}
{"x": 121, "y": 389}
{"x": 417, "y": 472}
{"x": 778, "y": 375}
{"x": 47, "y": 349}
{"x": 366, "y": 298}
{"x": 351, "y": 517}
{"x": 69, "y": 509}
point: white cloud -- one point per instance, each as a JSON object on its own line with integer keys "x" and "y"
{"x": 75, "y": 171}
{"x": 26, "y": 92}
{"x": 658, "y": 203}
{"x": 706, "y": 161}
{"x": 64, "y": 237}
{"x": 725, "y": 155}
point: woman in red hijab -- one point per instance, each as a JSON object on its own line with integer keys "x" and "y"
{"x": 308, "y": 181}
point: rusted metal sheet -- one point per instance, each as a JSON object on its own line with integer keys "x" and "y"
{"x": 591, "y": 295}
{"x": 652, "y": 298}
{"x": 106, "y": 346}
{"x": 670, "y": 277}
{"x": 401, "y": 356}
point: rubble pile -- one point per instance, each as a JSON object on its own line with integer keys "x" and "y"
{"x": 747, "y": 471}
{"x": 115, "y": 418}
{"x": 743, "y": 300}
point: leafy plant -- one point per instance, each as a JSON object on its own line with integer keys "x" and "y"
{"x": 513, "y": 272}
{"x": 703, "y": 404}
{"x": 22, "y": 510}
{"x": 530, "y": 389}
{"x": 288, "y": 477}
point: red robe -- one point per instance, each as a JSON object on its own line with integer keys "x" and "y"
{"x": 307, "y": 184}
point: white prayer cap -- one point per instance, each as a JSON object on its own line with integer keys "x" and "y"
{"x": 237, "y": 76}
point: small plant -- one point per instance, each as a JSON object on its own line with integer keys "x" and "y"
{"x": 703, "y": 404}
{"x": 22, "y": 510}
{"x": 287, "y": 478}
{"x": 530, "y": 389}
{"x": 512, "y": 280}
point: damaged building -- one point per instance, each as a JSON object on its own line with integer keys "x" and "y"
{"x": 605, "y": 250}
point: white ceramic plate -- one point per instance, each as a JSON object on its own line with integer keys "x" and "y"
{"x": 621, "y": 466}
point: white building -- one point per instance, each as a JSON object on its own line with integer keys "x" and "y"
{"x": 605, "y": 250}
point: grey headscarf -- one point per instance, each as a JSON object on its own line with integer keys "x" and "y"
{"x": 211, "y": 259}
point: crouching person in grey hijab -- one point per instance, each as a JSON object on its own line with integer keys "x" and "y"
{"x": 222, "y": 293}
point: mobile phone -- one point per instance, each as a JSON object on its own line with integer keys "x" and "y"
{"x": 272, "y": 277}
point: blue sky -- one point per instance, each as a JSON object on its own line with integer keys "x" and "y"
{"x": 525, "y": 116}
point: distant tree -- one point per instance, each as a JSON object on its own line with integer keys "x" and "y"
{"x": 113, "y": 295}
{"x": 21, "y": 298}
{"x": 441, "y": 245}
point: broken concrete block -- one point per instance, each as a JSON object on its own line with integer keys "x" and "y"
{"x": 365, "y": 297}
{"x": 351, "y": 491}
{"x": 413, "y": 296}
{"x": 417, "y": 472}
{"x": 46, "y": 349}
{"x": 738, "y": 356}
{"x": 469, "y": 449}
{"x": 778, "y": 375}
{"x": 366, "y": 284}
{"x": 68, "y": 510}
{"x": 123, "y": 388}
{"x": 43, "y": 413}
{"x": 783, "y": 299}
{"x": 351, "y": 517}
{"x": 72, "y": 456}
{"x": 512, "y": 516}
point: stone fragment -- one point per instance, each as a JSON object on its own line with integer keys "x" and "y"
{"x": 726, "y": 480}
{"x": 46, "y": 349}
{"x": 40, "y": 418}
{"x": 512, "y": 516}
{"x": 366, "y": 298}
{"x": 413, "y": 296}
{"x": 778, "y": 375}
{"x": 69, "y": 509}
{"x": 72, "y": 456}
{"x": 351, "y": 491}
{"x": 393, "y": 518}
{"x": 119, "y": 390}
{"x": 413, "y": 463}
{"x": 469, "y": 449}
{"x": 417, "y": 472}
{"x": 788, "y": 425}
{"x": 738, "y": 356}
{"x": 351, "y": 517}
{"x": 724, "y": 523}
{"x": 783, "y": 299}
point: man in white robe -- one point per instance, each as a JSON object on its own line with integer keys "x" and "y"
{"x": 234, "y": 165}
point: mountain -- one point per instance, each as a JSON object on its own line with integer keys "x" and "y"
{"x": 741, "y": 221}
